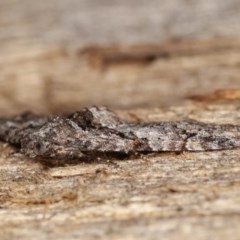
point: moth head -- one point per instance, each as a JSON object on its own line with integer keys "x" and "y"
{"x": 35, "y": 148}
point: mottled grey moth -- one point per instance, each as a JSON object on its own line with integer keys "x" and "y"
{"x": 98, "y": 130}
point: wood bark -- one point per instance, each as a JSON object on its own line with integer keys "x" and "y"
{"x": 148, "y": 61}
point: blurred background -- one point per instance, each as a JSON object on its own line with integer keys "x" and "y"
{"x": 60, "y": 55}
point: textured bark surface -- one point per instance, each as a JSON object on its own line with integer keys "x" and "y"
{"x": 144, "y": 72}
{"x": 175, "y": 196}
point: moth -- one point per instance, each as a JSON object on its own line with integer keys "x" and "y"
{"x": 97, "y": 130}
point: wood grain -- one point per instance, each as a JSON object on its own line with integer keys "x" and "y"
{"x": 191, "y": 48}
